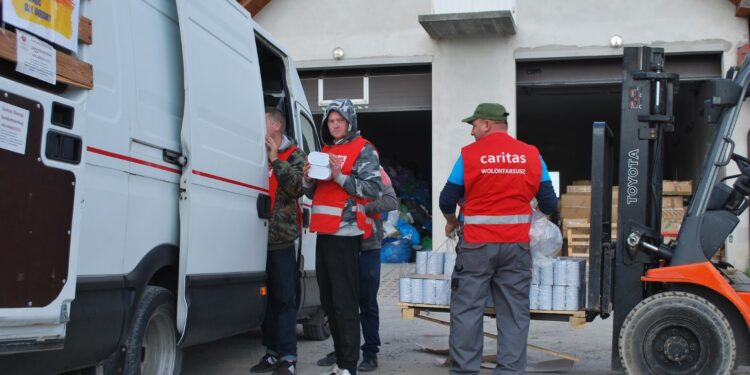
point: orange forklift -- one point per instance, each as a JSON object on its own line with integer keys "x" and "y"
{"x": 674, "y": 310}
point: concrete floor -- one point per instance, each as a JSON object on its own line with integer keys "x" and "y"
{"x": 401, "y": 338}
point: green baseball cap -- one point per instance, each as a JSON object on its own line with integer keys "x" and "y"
{"x": 488, "y": 111}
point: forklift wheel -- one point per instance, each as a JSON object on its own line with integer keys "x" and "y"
{"x": 677, "y": 333}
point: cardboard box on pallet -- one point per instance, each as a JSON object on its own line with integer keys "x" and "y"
{"x": 672, "y": 187}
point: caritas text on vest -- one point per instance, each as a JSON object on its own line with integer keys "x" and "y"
{"x": 503, "y": 158}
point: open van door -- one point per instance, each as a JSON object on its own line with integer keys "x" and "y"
{"x": 40, "y": 208}
{"x": 224, "y": 202}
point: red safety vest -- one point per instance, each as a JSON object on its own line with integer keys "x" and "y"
{"x": 501, "y": 176}
{"x": 273, "y": 182}
{"x": 330, "y": 198}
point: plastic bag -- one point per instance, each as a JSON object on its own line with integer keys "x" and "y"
{"x": 545, "y": 236}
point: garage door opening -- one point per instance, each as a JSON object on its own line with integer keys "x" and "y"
{"x": 558, "y": 120}
{"x": 557, "y": 104}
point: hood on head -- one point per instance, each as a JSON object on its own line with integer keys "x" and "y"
{"x": 346, "y": 109}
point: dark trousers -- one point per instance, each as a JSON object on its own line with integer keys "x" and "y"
{"x": 504, "y": 270}
{"x": 280, "y": 324}
{"x": 337, "y": 270}
{"x": 369, "y": 283}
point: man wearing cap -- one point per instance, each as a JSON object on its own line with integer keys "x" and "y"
{"x": 497, "y": 176}
{"x": 339, "y": 218}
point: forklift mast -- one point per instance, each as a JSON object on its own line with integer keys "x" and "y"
{"x": 617, "y": 263}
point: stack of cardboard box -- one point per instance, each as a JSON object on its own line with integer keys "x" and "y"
{"x": 575, "y": 206}
{"x": 673, "y": 207}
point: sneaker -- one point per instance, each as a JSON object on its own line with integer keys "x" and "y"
{"x": 285, "y": 368}
{"x": 335, "y": 370}
{"x": 266, "y": 364}
{"x": 328, "y": 360}
{"x": 368, "y": 364}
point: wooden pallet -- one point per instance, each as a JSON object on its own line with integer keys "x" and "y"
{"x": 578, "y": 238}
{"x": 576, "y": 318}
{"x": 421, "y": 311}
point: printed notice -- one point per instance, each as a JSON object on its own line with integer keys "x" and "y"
{"x": 36, "y": 57}
{"x": 52, "y": 20}
{"x": 14, "y": 124}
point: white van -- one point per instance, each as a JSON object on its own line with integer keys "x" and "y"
{"x": 133, "y": 221}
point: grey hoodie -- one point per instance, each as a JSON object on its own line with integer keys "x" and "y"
{"x": 364, "y": 180}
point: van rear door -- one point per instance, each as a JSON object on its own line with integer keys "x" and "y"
{"x": 224, "y": 185}
{"x": 40, "y": 207}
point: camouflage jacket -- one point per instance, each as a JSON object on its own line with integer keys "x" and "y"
{"x": 283, "y": 228}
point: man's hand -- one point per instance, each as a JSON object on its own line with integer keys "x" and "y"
{"x": 451, "y": 225}
{"x": 306, "y": 170}
{"x": 335, "y": 165}
{"x": 273, "y": 149}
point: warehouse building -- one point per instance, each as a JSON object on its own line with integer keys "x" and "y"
{"x": 418, "y": 67}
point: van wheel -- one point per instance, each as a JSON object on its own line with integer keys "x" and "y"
{"x": 151, "y": 346}
{"x": 677, "y": 333}
{"x": 318, "y": 328}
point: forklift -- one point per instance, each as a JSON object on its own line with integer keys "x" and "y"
{"x": 675, "y": 311}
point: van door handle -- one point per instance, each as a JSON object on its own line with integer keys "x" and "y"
{"x": 63, "y": 147}
{"x": 263, "y": 205}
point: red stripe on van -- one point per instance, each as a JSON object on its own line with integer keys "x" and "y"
{"x": 131, "y": 159}
{"x": 164, "y": 168}
{"x": 234, "y": 182}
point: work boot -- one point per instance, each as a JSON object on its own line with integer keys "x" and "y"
{"x": 266, "y": 364}
{"x": 285, "y": 368}
{"x": 328, "y": 360}
{"x": 368, "y": 364}
{"x": 335, "y": 370}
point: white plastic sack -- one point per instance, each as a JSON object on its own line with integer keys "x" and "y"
{"x": 545, "y": 236}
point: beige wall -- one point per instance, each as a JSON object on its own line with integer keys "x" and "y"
{"x": 470, "y": 70}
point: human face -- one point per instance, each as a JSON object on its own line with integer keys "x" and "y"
{"x": 337, "y": 125}
{"x": 270, "y": 125}
{"x": 480, "y": 128}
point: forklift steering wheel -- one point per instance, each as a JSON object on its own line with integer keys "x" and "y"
{"x": 743, "y": 163}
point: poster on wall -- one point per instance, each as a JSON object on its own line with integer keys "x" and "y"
{"x": 53, "y": 20}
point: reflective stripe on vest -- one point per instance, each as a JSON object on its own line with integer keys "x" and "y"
{"x": 503, "y": 219}
{"x": 327, "y": 210}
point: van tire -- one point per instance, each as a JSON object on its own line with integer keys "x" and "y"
{"x": 151, "y": 345}
{"x": 677, "y": 333}
{"x": 318, "y": 329}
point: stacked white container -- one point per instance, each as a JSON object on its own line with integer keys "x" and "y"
{"x": 560, "y": 289}
{"x": 431, "y": 282}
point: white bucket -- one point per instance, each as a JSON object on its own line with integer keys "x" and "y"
{"x": 449, "y": 263}
{"x": 572, "y": 301}
{"x": 416, "y": 290}
{"x": 428, "y": 291}
{"x": 435, "y": 262}
{"x": 573, "y": 273}
{"x": 404, "y": 289}
{"x": 546, "y": 274}
{"x": 534, "y": 297}
{"x": 560, "y": 271}
{"x": 558, "y": 297}
{"x": 545, "y": 297}
{"x": 422, "y": 262}
{"x": 443, "y": 292}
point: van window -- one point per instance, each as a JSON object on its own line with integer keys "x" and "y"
{"x": 309, "y": 137}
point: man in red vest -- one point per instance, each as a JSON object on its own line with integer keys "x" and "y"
{"x": 497, "y": 176}
{"x": 338, "y": 216}
{"x": 285, "y": 165}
